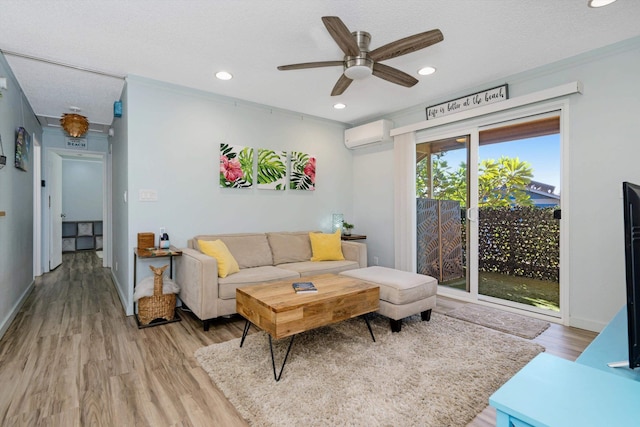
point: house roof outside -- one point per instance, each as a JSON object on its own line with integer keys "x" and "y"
{"x": 543, "y": 195}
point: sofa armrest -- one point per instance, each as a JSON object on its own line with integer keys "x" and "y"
{"x": 197, "y": 276}
{"x": 355, "y": 251}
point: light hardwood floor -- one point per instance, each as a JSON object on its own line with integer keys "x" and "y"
{"x": 72, "y": 358}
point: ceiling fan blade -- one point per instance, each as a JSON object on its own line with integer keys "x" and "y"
{"x": 406, "y": 45}
{"x": 310, "y": 65}
{"x": 341, "y": 85}
{"x": 393, "y": 75}
{"x": 341, "y": 35}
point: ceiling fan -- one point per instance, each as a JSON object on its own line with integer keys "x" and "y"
{"x": 359, "y": 62}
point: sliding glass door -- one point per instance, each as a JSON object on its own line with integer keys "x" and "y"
{"x": 488, "y": 209}
{"x": 519, "y": 211}
{"x": 442, "y": 201}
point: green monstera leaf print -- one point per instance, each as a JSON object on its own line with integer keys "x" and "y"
{"x": 272, "y": 169}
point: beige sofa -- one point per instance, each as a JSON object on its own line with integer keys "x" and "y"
{"x": 262, "y": 257}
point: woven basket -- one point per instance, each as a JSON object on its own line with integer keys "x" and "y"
{"x": 158, "y": 306}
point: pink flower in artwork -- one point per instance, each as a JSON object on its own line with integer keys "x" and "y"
{"x": 310, "y": 169}
{"x": 231, "y": 169}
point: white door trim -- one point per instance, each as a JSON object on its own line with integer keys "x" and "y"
{"x": 106, "y": 206}
{"x": 37, "y": 207}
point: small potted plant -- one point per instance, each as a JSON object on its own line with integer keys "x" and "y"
{"x": 347, "y": 228}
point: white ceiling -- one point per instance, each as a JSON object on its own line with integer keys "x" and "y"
{"x": 186, "y": 42}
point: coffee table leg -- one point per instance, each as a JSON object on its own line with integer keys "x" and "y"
{"x": 366, "y": 319}
{"x": 273, "y": 361}
{"x": 247, "y": 325}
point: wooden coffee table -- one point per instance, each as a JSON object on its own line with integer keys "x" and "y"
{"x": 280, "y": 312}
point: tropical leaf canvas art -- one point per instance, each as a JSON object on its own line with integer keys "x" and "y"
{"x": 272, "y": 169}
{"x": 303, "y": 171}
{"x": 236, "y": 166}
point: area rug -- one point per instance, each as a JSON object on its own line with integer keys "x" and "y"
{"x": 504, "y": 321}
{"x": 436, "y": 373}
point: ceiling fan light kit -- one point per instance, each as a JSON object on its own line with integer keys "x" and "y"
{"x": 358, "y": 68}
{"x": 74, "y": 124}
{"x": 359, "y": 62}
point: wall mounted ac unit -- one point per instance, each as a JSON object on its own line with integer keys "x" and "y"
{"x": 368, "y": 134}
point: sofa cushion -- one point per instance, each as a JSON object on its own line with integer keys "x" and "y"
{"x": 252, "y": 276}
{"x": 249, "y": 250}
{"x": 326, "y": 247}
{"x": 218, "y": 250}
{"x": 310, "y": 268}
{"x": 290, "y": 247}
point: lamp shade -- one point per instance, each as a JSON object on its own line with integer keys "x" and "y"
{"x": 336, "y": 222}
{"x": 74, "y": 124}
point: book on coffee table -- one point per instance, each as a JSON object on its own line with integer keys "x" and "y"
{"x": 304, "y": 287}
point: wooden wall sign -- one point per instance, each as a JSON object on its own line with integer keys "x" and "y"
{"x": 478, "y": 99}
{"x": 77, "y": 143}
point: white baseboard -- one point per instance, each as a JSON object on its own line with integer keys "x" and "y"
{"x": 123, "y": 298}
{"x": 6, "y": 322}
{"x": 587, "y": 324}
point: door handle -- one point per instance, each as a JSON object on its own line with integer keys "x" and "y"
{"x": 472, "y": 214}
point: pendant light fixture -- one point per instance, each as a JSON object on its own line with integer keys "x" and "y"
{"x": 74, "y": 124}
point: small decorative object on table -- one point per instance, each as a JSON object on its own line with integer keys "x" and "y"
{"x": 159, "y": 305}
{"x": 347, "y": 228}
{"x": 146, "y": 240}
{"x": 163, "y": 243}
{"x": 304, "y": 287}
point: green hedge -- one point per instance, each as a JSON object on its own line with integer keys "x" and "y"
{"x": 521, "y": 241}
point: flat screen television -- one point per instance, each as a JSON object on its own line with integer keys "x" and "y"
{"x": 631, "y": 197}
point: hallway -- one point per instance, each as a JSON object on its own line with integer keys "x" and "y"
{"x": 72, "y": 358}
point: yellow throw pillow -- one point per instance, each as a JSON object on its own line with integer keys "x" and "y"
{"x": 227, "y": 264}
{"x": 326, "y": 247}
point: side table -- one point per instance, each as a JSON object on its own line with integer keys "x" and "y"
{"x": 354, "y": 237}
{"x": 147, "y": 254}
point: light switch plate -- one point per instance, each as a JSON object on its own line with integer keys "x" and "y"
{"x": 147, "y": 195}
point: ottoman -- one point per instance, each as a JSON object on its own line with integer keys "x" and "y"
{"x": 402, "y": 294}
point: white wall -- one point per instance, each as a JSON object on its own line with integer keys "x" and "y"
{"x": 174, "y": 134}
{"x": 16, "y": 201}
{"x": 373, "y": 172}
{"x": 82, "y": 190}
{"x": 604, "y": 133}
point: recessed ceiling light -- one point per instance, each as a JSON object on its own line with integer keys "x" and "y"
{"x": 599, "y": 3}
{"x": 339, "y": 106}
{"x": 223, "y": 75}
{"x": 425, "y": 71}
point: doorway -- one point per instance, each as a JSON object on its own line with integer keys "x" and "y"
{"x": 491, "y": 231}
{"x": 75, "y": 205}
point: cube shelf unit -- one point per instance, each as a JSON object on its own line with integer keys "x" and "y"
{"x": 81, "y": 235}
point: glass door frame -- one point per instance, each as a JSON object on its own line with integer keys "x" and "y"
{"x": 471, "y": 209}
{"x": 472, "y": 127}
